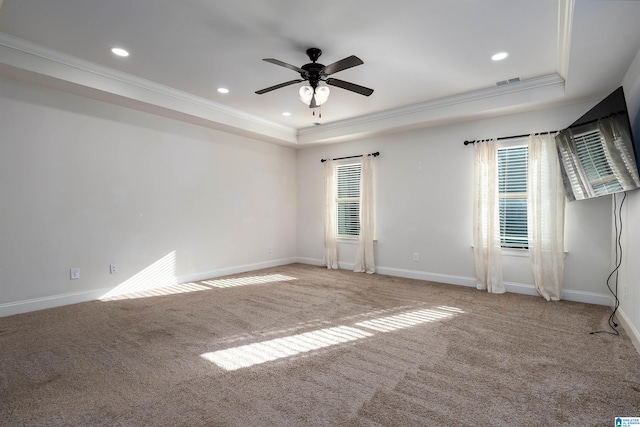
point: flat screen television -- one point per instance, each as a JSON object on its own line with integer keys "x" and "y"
{"x": 597, "y": 153}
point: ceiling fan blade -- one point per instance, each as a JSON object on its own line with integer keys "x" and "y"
{"x": 285, "y": 65}
{"x": 269, "y": 89}
{"x": 350, "y": 86}
{"x": 343, "y": 64}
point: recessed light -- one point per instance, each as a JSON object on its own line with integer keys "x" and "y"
{"x": 500, "y": 56}
{"x": 119, "y": 51}
{"x": 286, "y": 114}
{"x": 223, "y": 90}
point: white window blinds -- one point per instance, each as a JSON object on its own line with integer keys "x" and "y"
{"x": 595, "y": 163}
{"x": 512, "y": 191}
{"x": 348, "y": 199}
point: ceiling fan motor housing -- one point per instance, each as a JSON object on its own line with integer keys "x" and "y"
{"x": 313, "y": 73}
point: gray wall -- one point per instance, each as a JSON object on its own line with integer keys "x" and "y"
{"x": 629, "y": 278}
{"x": 87, "y": 184}
{"x": 424, "y": 205}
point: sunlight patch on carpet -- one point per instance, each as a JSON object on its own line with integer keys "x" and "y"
{"x": 247, "y": 355}
{"x": 244, "y": 281}
{"x": 158, "y": 292}
{"x": 159, "y": 279}
{"x": 409, "y": 319}
{"x": 253, "y": 354}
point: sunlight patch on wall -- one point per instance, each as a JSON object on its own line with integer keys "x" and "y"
{"x": 253, "y": 354}
{"x": 244, "y": 281}
{"x": 161, "y": 273}
{"x": 244, "y": 356}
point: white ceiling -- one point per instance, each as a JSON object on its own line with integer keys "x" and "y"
{"x": 428, "y": 61}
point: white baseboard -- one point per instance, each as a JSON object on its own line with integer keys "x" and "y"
{"x": 586, "y": 297}
{"x": 235, "y": 270}
{"x": 633, "y": 333}
{"x": 567, "y": 294}
{"x": 520, "y": 288}
{"x": 18, "y": 307}
{"x": 516, "y": 288}
{"x": 425, "y": 275}
{"x": 309, "y": 261}
{"x": 25, "y": 306}
{"x": 318, "y": 262}
{"x": 398, "y": 272}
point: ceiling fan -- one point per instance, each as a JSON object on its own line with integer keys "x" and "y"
{"x": 313, "y": 72}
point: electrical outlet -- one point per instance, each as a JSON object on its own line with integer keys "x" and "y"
{"x": 113, "y": 269}
{"x": 416, "y": 257}
{"x": 270, "y": 249}
{"x": 74, "y": 273}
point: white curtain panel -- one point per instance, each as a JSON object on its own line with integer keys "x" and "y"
{"x": 486, "y": 220}
{"x": 364, "y": 256}
{"x": 545, "y": 216}
{"x": 330, "y": 257}
{"x": 575, "y": 174}
{"x": 623, "y": 165}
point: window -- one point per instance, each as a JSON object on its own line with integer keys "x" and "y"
{"x": 512, "y": 192}
{"x": 348, "y": 199}
{"x": 595, "y": 162}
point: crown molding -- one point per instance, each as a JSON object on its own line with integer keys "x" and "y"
{"x": 565, "y": 20}
{"x": 457, "y": 107}
{"x": 20, "y": 59}
{"x": 143, "y": 94}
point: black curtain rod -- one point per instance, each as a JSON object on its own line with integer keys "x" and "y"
{"x": 376, "y": 154}
{"x": 553, "y": 131}
{"x": 502, "y": 138}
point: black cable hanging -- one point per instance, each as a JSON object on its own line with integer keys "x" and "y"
{"x": 617, "y": 218}
{"x": 376, "y": 154}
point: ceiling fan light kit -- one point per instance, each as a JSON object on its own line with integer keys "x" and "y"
{"x": 321, "y": 95}
{"x": 313, "y": 94}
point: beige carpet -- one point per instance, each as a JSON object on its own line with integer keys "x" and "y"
{"x": 302, "y": 346}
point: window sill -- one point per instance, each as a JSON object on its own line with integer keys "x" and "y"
{"x": 520, "y": 252}
{"x": 524, "y": 253}
{"x": 351, "y": 241}
{"x": 515, "y": 252}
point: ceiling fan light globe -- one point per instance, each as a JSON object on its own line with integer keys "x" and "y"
{"x": 322, "y": 94}
{"x": 306, "y": 93}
